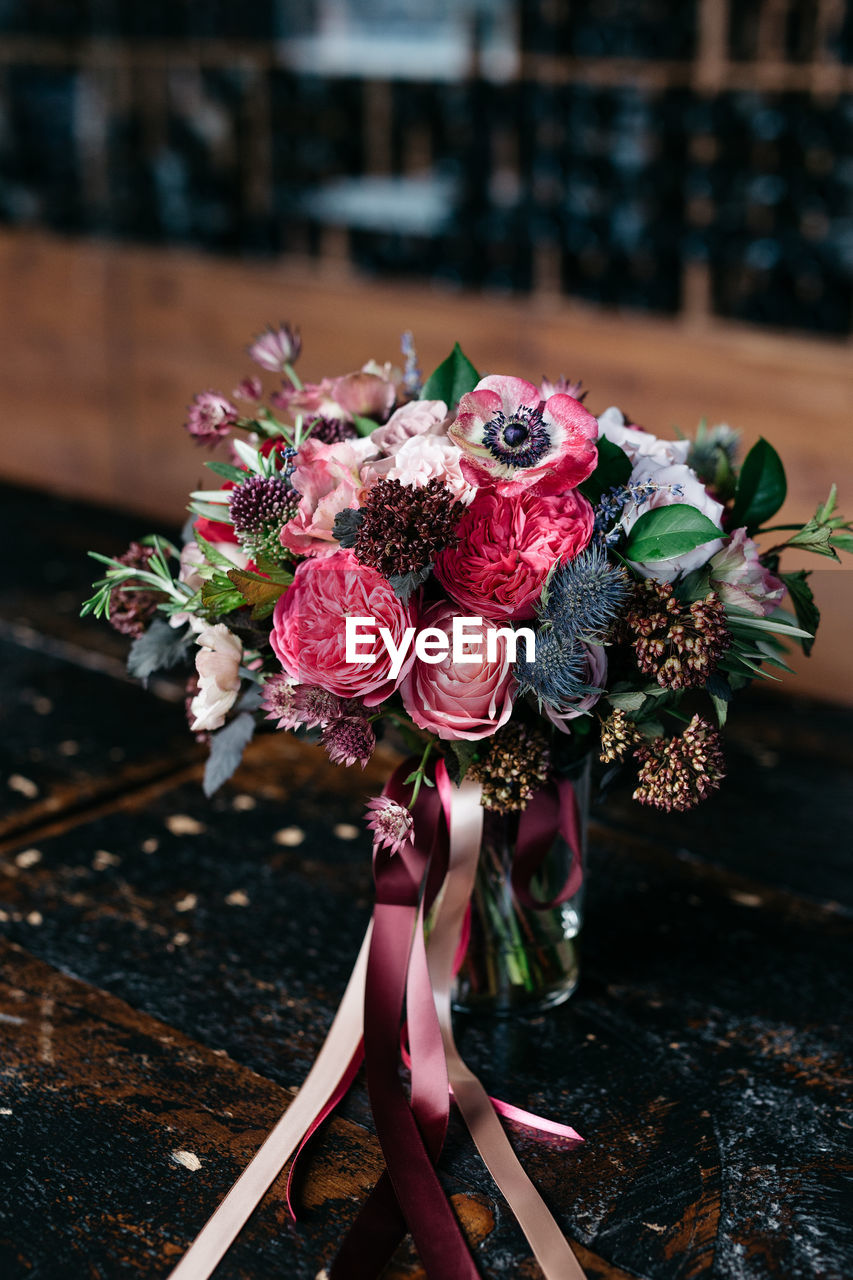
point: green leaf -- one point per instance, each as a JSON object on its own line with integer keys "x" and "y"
{"x": 227, "y": 471}
{"x": 632, "y": 701}
{"x": 461, "y": 757}
{"x": 211, "y": 511}
{"x": 665, "y": 532}
{"x": 761, "y": 486}
{"x": 453, "y": 378}
{"x": 256, "y": 590}
{"x": 219, "y": 596}
{"x": 802, "y": 598}
{"x": 212, "y": 556}
{"x": 612, "y": 470}
{"x": 364, "y": 426}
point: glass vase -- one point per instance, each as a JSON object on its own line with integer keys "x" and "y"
{"x": 520, "y": 959}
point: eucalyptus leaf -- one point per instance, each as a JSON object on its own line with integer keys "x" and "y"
{"x": 761, "y": 486}
{"x": 227, "y": 471}
{"x": 671, "y": 531}
{"x": 453, "y": 378}
{"x": 364, "y": 426}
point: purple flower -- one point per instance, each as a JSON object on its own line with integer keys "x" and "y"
{"x": 275, "y": 349}
{"x": 391, "y": 824}
{"x": 249, "y": 389}
{"x": 210, "y": 417}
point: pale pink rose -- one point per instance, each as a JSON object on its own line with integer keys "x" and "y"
{"x": 465, "y": 700}
{"x": 638, "y": 443}
{"x": 309, "y": 627}
{"x": 596, "y": 676}
{"x": 328, "y": 476}
{"x": 419, "y": 460}
{"x": 507, "y": 547}
{"x": 740, "y": 579}
{"x": 218, "y": 665}
{"x": 513, "y": 438}
{"x": 417, "y": 418}
{"x": 675, "y": 484}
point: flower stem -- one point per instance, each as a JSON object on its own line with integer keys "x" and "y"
{"x": 294, "y": 377}
{"x": 420, "y": 774}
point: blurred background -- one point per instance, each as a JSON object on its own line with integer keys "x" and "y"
{"x": 651, "y": 195}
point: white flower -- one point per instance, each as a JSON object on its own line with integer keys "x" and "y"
{"x": 420, "y": 459}
{"x": 740, "y": 579}
{"x": 637, "y": 443}
{"x": 676, "y": 484}
{"x": 218, "y": 666}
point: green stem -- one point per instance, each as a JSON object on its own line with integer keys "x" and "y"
{"x": 294, "y": 377}
{"x": 420, "y": 774}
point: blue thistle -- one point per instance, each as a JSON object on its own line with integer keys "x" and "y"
{"x": 559, "y": 674}
{"x": 585, "y": 595}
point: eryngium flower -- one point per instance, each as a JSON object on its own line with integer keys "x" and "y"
{"x": 515, "y": 766}
{"x": 391, "y": 824}
{"x": 403, "y": 528}
{"x": 618, "y": 736}
{"x": 349, "y": 740}
{"x": 210, "y": 417}
{"x": 275, "y": 349}
{"x": 132, "y": 610}
{"x": 558, "y": 675}
{"x": 585, "y": 595}
{"x": 259, "y": 508}
{"x": 679, "y": 644}
{"x": 679, "y": 772}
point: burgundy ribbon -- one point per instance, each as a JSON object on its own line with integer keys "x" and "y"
{"x": 552, "y": 810}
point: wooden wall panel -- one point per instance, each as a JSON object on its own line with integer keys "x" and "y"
{"x": 103, "y": 346}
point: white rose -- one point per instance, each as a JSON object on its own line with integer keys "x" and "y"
{"x": 218, "y": 665}
{"x": 637, "y": 443}
{"x": 690, "y": 491}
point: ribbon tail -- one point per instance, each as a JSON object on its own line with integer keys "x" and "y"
{"x": 321, "y": 1084}
{"x": 552, "y": 1250}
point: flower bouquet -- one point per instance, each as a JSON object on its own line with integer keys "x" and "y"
{"x": 510, "y": 586}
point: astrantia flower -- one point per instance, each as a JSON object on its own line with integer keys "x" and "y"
{"x": 210, "y": 417}
{"x": 562, "y": 387}
{"x": 349, "y": 740}
{"x": 679, "y": 644}
{"x": 391, "y": 824}
{"x": 279, "y": 702}
{"x": 275, "y": 349}
{"x": 402, "y": 529}
{"x": 512, "y": 437}
{"x": 250, "y": 389}
{"x": 679, "y": 772}
{"x": 513, "y": 767}
{"x": 559, "y": 675}
{"x": 586, "y": 594}
{"x": 315, "y": 705}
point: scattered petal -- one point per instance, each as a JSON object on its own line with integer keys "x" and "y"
{"x": 188, "y": 1159}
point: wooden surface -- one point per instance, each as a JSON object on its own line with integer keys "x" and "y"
{"x": 105, "y": 345}
{"x": 170, "y": 967}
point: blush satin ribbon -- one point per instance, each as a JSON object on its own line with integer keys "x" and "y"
{"x": 397, "y": 967}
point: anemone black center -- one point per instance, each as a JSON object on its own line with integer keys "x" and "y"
{"x": 518, "y": 441}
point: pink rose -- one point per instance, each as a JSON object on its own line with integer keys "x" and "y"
{"x": 421, "y": 459}
{"x": 508, "y": 545}
{"x": 418, "y": 418}
{"x": 740, "y": 579}
{"x": 309, "y": 627}
{"x": 513, "y": 438}
{"x": 328, "y": 476}
{"x": 466, "y": 700}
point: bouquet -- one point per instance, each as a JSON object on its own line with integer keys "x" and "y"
{"x": 509, "y": 581}
{"x": 514, "y": 586}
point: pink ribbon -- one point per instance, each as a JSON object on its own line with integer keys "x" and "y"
{"x": 396, "y": 968}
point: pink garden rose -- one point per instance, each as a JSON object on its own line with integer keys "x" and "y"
{"x": 309, "y": 621}
{"x": 513, "y": 438}
{"x": 507, "y": 547}
{"x": 739, "y": 578}
{"x": 417, "y": 418}
{"x": 328, "y": 476}
{"x": 468, "y": 700}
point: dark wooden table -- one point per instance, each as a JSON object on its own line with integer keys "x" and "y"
{"x": 170, "y": 967}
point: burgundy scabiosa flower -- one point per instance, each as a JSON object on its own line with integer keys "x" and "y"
{"x": 511, "y": 437}
{"x": 276, "y": 348}
{"x": 402, "y": 528}
{"x": 391, "y": 824}
{"x": 332, "y": 430}
{"x": 210, "y": 417}
{"x": 349, "y": 740}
